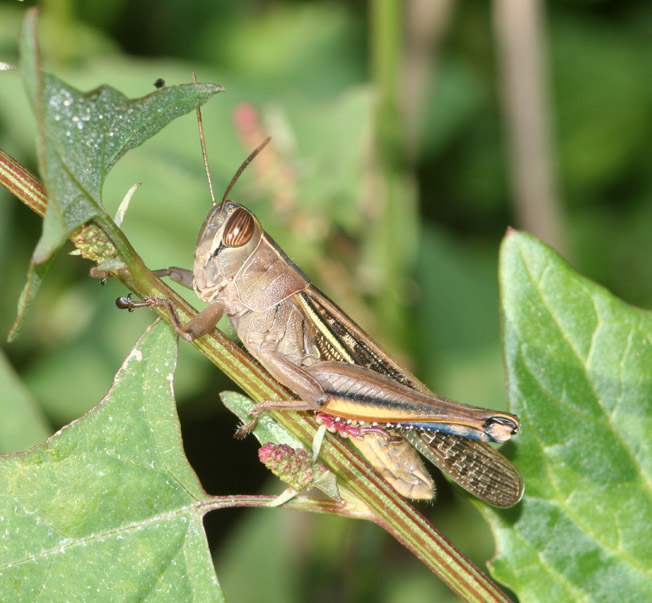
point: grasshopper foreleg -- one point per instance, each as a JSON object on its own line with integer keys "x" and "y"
{"x": 126, "y": 303}
{"x": 198, "y": 326}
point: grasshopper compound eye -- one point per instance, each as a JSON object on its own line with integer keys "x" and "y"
{"x": 239, "y": 229}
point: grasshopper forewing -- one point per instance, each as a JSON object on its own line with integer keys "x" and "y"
{"x": 311, "y": 346}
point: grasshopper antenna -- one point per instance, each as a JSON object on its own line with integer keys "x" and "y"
{"x": 202, "y": 140}
{"x": 241, "y": 169}
{"x": 245, "y": 163}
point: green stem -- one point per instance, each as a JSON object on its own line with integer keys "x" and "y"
{"x": 391, "y": 245}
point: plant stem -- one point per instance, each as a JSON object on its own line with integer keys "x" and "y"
{"x": 390, "y": 247}
{"x": 520, "y": 34}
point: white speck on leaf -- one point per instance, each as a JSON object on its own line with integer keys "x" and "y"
{"x": 137, "y": 354}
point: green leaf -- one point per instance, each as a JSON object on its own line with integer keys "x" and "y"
{"x": 35, "y": 275}
{"x": 578, "y": 366}
{"x": 108, "y": 508}
{"x": 81, "y": 137}
{"x": 87, "y": 133}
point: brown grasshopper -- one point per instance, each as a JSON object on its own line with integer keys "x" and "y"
{"x": 312, "y": 347}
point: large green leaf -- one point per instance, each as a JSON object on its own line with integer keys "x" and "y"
{"x": 108, "y": 508}
{"x": 578, "y": 366}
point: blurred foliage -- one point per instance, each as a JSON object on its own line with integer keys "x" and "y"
{"x": 303, "y": 70}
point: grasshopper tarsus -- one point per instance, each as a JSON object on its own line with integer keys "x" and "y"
{"x": 197, "y": 327}
{"x": 126, "y": 303}
{"x": 244, "y": 429}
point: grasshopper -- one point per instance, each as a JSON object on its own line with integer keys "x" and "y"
{"x": 312, "y": 347}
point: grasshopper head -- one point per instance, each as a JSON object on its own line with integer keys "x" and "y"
{"x": 228, "y": 237}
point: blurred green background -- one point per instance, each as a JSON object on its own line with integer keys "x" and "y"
{"x": 394, "y": 170}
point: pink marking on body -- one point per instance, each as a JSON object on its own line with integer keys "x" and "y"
{"x": 336, "y": 425}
